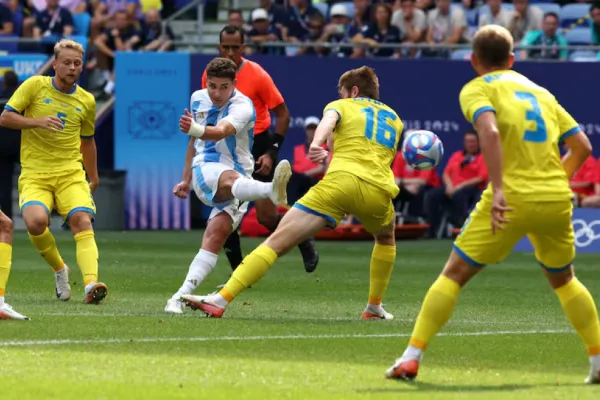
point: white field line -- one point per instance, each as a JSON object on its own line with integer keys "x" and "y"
{"x": 278, "y": 317}
{"x": 24, "y": 343}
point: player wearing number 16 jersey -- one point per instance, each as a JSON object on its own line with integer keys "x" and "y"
{"x": 57, "y": 118}
{"x": 363, "y": 134}
{"x": 521, "y": 126}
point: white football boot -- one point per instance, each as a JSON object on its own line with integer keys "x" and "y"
{"x": 7, "y": 312}
{"x": 281, "y": 177}
{"x": 376, "y": 312}
{"x": 174, "y": 306}
{"x": 63, "y": 289}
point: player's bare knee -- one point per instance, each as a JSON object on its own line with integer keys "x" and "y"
{"x": 559, "y": 279}
{"x": 459, "y": 270}
{"x": 36, "y": 223}
{"x": 80, "y": 221}
{"x": 386, "y": 236}
{"x": 226, "y": 181}
{"x": 6, "y": 228}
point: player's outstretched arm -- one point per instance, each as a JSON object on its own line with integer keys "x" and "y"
{"x": 189, "y": 156}
{"x": 491, "y": 147}
{"x": 323, "y": 132}
{"x": 580, "y": 149}
{"x": 90, "y": 161}
{"x": 13, "y": 120}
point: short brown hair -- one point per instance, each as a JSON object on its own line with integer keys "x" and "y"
{"x": 221, "y": 68}
{"x": 364, "y": 78}
{"x": 493, "y": 45}
{"x": 67, "y": 44}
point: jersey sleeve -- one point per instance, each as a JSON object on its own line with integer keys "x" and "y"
{"x": 22, "y": 97}
{"x": 474, "y": 100}
{"x": 566, "y": 123}
{"x": 241, "y": 113}
{"x": 269, "y": 94}
{"x": 88, "y": 125}
{"x": 336, "y": 106}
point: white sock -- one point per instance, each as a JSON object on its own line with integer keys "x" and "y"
{"x": 595, "y": 361}
{"x": 219, "y": 300}
{"x": 374, "y": 307}
{"x": 201, "y": 266}
{"x": 89, "y": 286}
{"x": 412, "y": 353}
{"x": 110, "y": 85}
{"x": 62, "y": 271}
{"x": 1, "y": 302}
{"x": 245, "y": 189}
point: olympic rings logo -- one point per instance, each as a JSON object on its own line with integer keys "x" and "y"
{"x": 584, "y": 233}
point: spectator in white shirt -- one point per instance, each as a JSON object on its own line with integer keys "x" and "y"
{"x": 412, "y": 23}
{"x": 525, "y": 18}
{"x": 496, "y": 16}
{"x": 445, "y": 24}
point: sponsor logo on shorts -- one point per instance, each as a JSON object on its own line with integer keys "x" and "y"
{"x": 586, "y": 233}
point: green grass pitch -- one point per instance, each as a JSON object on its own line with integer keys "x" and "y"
{"x": 292, "y": 335}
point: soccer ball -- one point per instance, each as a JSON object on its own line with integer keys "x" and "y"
{"x": 422, "y": 150}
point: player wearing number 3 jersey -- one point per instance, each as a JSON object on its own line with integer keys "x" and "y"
{"x": 57, "y": 143}
{"x": 521, "y": 127}
{"x": 363, "y": 134}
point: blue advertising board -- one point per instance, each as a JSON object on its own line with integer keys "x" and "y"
{"x": 153, "y": 91}
{"x": 24, "y": 65}
{"x": 586, "y": 224}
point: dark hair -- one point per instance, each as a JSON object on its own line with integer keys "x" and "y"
{"x": 407, "y": 1}
{"x": 551, "y": 14}
{"x": 235, "y": 11}
{"x": 123, "y": 12}
{"x": 364, "y": 78}
{"x": 595, "y": 6}
{"x": 232, "y": 30}
{"x": 387, "y": 8}
{"x": 221, "y": 68}
{"x": 11, "y": 80}
{"x": 492, "y": 45}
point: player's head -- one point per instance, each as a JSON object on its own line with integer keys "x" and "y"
{"x": 220, "y": 80}
{"x": 359, "y": 82}
{"x": 68, "y": 61}
{"x": 492, "y": 49}
{"x": 231, "y": 43}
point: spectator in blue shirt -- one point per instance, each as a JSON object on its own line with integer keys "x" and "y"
{"x": 154, "y": 36}
{"x": 262, "y": 31}
{"x": 381, "y": 31}
{"x": 548, "y": 38}
{"x": 340, "y": 30}
{"x": 297, "y": 20}
{"x": 277, "y": 15}
{"x": 53, "y": 21}
{"x": 7, "y": 26}
{"x": 316, "y": 28}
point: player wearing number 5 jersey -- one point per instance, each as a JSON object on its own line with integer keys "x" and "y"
{"x": 364, "y": 134}
{"x": 58, "y": 137}
{"x": 521, "y": 126}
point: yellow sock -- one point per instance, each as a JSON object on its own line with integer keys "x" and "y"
{"x": 5, "y": 261}
{"x": 581, "y": 311}
{"x": 87, "y": 256}
{"x": 382, "y": 264}
{"x": 254, "y": 267}
{"x": 435, "y": 312}
{"x": 46, "y": 246}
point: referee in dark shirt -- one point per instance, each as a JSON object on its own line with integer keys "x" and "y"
{"x": 10, "y": 147}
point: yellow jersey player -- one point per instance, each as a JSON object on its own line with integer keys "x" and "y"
{"x": 521, "y": 126}
{"x": 363, "y": 134}
{"x": 6, "y": 234}
{"x": 57, "y": 124}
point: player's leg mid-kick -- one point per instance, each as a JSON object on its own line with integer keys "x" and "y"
{"x": 6, "y": 235}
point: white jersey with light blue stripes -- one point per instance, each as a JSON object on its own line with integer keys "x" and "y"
{"x": 234, "y": 151}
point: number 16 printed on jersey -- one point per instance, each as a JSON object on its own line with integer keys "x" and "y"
{"x": 385, "y": 134}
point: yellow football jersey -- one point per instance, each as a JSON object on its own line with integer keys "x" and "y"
{"x": 42, "y": 150}
{"x": 365, "y": 141}
{"x": 532, "y": 125}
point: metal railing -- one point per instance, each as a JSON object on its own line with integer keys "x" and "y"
{"x": 199, "y": 4}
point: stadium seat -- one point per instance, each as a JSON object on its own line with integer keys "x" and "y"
{"x": 571, "y": 13}
{"x": 9, "y": 47}
{"x": 349, "y": 6}
{"x": 584, "y": 56}
{"x": 463, "y": 54}
{"x": 580, "y": 36}
{"x": 82, "y": 24}
{"x": 548, "y": 7}
{"x": 323, "y": 8}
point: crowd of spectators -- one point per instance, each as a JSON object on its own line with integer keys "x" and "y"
{"x": 367, "y": 25}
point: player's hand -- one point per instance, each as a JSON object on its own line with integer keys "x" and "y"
{"x": 264, "y": 164}
{"x": 52, "y": 123}
{"x": 317, "y": 154}
{"x": 185, "y": 122}
{"x": 94, "y": 185}
{"x": 499, "y": 207}
{"x": 182, "y": 190}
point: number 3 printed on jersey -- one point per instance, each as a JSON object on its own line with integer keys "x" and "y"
{"x": 385, "y": 134}
{"x": 540, "y": 134}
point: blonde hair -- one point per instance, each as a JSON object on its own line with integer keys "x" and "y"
{"x": 493, "y": 46}
{"x": 67, "y": 44}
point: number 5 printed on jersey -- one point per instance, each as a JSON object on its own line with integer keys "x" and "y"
{"x": 540, "y": 134}
{"x": 385, "y": 134}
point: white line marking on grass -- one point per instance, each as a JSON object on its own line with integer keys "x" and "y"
{"x": 23, "y": 343}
